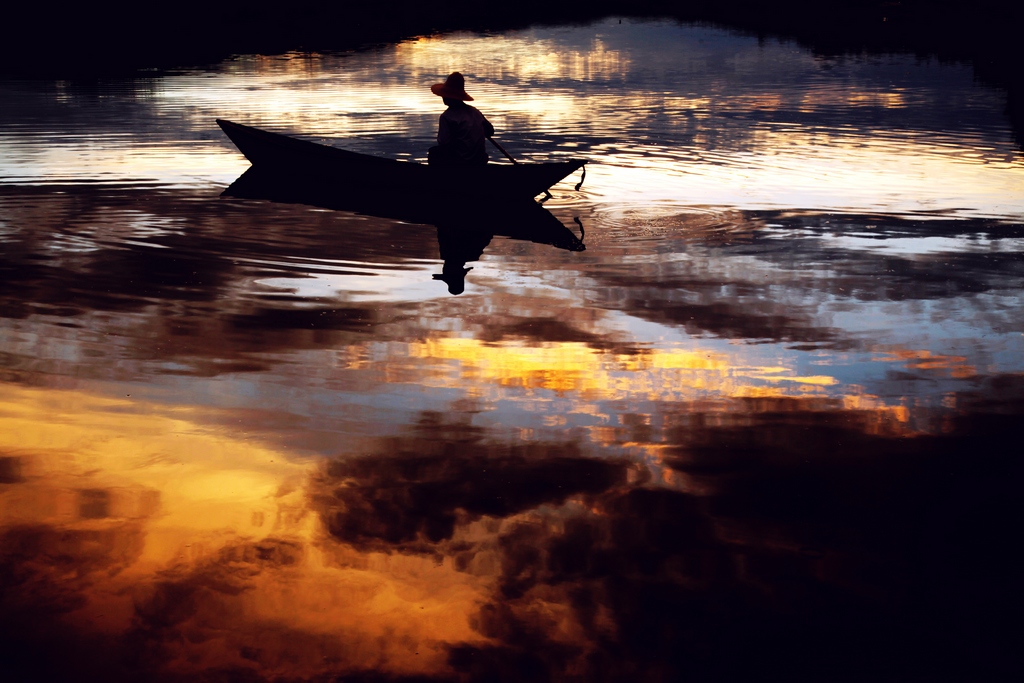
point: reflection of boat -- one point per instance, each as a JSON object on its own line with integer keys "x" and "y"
{"x": 360, "y": 171}
{"x": 464, "y": 229}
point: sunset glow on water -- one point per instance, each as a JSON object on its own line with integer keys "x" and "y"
{"x": 761, "y": 411}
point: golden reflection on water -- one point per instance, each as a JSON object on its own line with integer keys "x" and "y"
{"x": 591, "y": 374}
{"x": 188, "y": 483}
{"x": 922, "y": 359}
{"x": 826, "y": 97}
{"x": 140, "y": 499}
{"x": 226, "y": 553}
{"x": 210, "y": 537}
{"x": 521, "y": 56}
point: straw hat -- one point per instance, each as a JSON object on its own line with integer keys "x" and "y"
{"x": 453, "y": 88}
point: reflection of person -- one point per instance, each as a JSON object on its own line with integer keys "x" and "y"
{"x": 459, "y": 242}
{"x": 462, "y": 236}
{"x": 462, "y": 130}
{"x": 454, "y": 275}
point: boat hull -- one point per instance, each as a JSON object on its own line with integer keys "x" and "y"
{"x": 330, "y": 166}
{"x": 521, "y": 218}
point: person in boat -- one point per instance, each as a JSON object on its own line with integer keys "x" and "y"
{"x": 462, "y": 131}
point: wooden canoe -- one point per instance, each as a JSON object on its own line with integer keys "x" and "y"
{"x": 360, "y": 172}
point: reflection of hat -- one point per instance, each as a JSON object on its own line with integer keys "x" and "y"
{"x": 454, "y": 277}
{"x": 454, "y": 88}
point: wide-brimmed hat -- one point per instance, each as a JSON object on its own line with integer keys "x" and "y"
{"x": 454, "y": 88}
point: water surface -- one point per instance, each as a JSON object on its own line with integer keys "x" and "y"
{"x": 760, "y": 423}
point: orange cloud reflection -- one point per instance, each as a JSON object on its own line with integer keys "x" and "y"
{"x": 593, "y": 374}
{"x": 923, "y": 359}
{"x": 205, "y": 539}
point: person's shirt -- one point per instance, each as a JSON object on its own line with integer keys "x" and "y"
{"x": 464, "y": 130}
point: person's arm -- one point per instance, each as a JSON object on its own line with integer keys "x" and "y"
{"x": 444, "y": 131}
{"x": 488, "y": 128}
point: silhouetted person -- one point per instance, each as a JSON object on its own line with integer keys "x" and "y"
{"x": 462, "y": 131}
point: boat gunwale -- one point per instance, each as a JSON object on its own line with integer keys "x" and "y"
{"x": 265, "y": 148}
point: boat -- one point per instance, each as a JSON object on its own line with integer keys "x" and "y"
{"x": 331, "y": 166}
{"x": 518, "y": 218}
{"x": 463, "y": 231}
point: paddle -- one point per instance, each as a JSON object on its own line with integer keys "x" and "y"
{"x": 503, "y": 150}
{"x": 547, "y": 195}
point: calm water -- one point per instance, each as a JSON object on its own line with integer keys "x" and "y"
{"x": 763, "y": 427}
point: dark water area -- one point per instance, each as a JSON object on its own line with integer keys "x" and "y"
{"x": 744, "y": 405}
